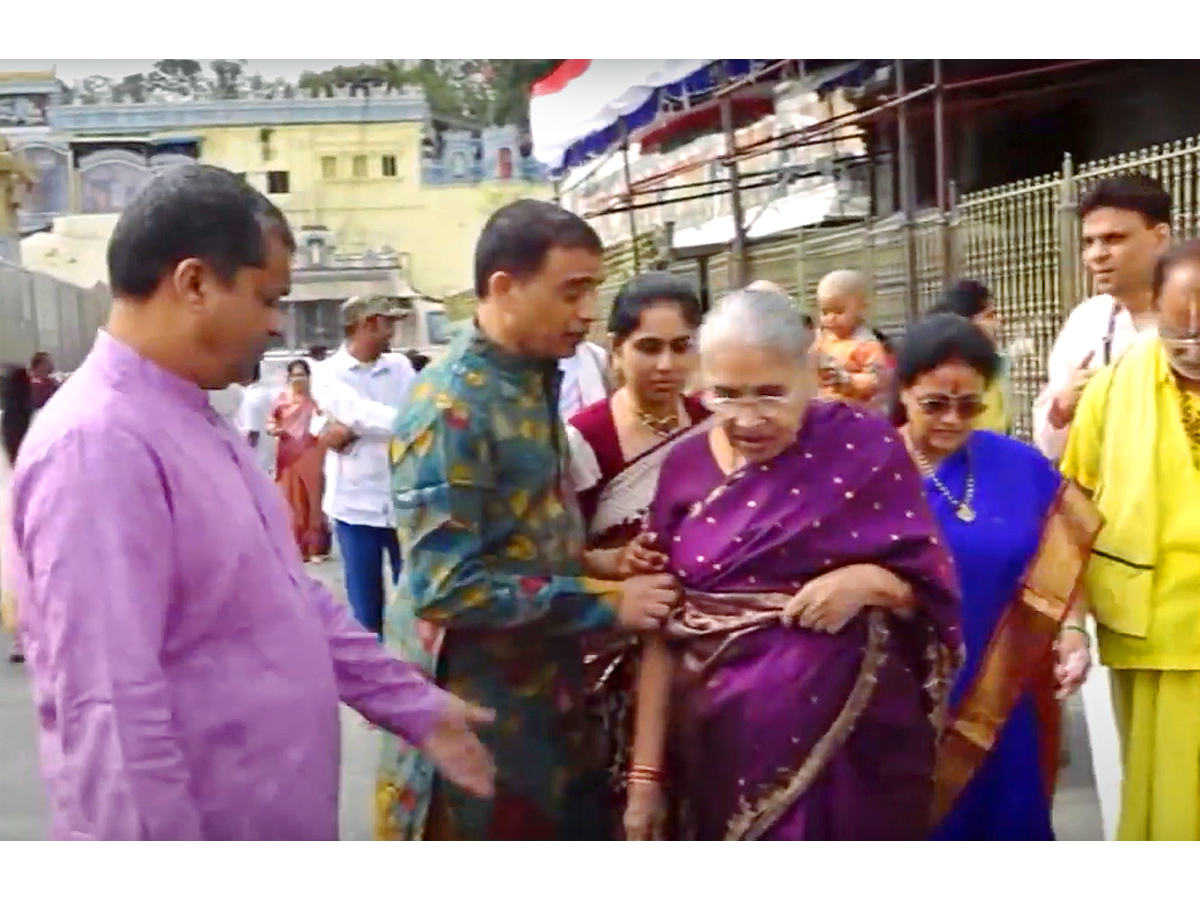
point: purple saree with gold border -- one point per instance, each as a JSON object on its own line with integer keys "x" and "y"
{"x": 785, "y": 733}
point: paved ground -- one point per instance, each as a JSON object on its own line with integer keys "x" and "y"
{"x": 23, "y": 812}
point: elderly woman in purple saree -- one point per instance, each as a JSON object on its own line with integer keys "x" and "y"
{"x": 798, "y": 692}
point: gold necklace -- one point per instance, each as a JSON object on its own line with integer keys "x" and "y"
{"x": 663, "y": 426}
{"x": 962, "y": 507}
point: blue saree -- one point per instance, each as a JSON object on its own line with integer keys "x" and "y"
{"x": 1001, "y": 749}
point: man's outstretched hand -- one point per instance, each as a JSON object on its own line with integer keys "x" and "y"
{"x": 456, "y": 750}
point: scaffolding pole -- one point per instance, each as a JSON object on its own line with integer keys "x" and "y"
{"x": 735, "y": 195}
{"x": 633, "y": 232}
{"x": 907, "y": 199}
{"x": 943, "y": 184}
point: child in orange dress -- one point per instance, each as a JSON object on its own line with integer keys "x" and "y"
{"x": 851, "y": 362}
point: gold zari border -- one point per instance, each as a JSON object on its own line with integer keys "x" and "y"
{"x": 752, "y": 821}
{"x": 1025, "y": 634}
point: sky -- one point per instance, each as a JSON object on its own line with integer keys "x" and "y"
{"x": 71, "y": 70}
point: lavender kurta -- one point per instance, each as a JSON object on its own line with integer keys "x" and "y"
{"x": 186, "y": 670}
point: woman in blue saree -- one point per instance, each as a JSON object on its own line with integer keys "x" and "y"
{"x": 1020, "y": 535}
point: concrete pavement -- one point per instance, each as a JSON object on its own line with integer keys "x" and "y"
{"x": 23, "y": 807}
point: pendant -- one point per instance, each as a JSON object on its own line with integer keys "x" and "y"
{"x": 966, "y": 513}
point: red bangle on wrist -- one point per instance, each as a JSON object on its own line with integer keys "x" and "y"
{"x": 644, "y": 775}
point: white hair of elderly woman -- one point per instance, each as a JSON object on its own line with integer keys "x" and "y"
{"x": 766, "y": 320}
{"x": 763, "y": 285}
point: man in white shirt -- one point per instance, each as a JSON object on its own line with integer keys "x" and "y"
{"x": 586, "y": 379}
{"x": 1126, "y": 226}
{"x": 252, "y": 420}
{"x": 226, "y": 403}
{"x": 359, "y": 391}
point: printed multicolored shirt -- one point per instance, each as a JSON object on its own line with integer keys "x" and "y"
{"x": 493, "y": 600}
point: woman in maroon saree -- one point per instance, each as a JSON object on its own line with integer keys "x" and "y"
{"x": 805, "y": 673}
{"x": 299, "y": 461}
{"x": 617, "y": 448}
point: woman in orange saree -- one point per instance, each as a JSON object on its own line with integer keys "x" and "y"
{"x": 299, "y": 460}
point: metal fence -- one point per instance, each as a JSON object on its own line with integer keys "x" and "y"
{"x": 1020, "y": 239}
{"x": 40, "y": 312}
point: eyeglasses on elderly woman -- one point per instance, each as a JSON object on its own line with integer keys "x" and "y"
{"x": 764, "y": 399}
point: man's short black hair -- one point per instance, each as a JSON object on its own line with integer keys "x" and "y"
{"x": 1133, "y": 193}
{"x": 196, "y": 211}
{"x": 517, "y": 237}
{"x": 38, "y": 358}
{"x": 964, "y": 298}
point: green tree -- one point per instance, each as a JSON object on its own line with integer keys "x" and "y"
{"x": 227, "y": 76}
{"x": 175, "y": 76}
{"x": 465, "y": 92}
{"x": 507, "y": 84}
{"x": 96, "y": 89}
{"x": 132, "y": 87}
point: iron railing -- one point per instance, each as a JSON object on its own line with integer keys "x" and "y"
{"x": 1021, "y": 239}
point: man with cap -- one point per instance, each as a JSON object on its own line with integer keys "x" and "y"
{"x": 360, "y": 389}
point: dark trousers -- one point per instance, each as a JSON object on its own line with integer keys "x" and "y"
{"x": 363, "y": 548}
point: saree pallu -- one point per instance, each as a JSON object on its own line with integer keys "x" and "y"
{"x": 1021, "y": 563}
{"x": 791, "y": 734}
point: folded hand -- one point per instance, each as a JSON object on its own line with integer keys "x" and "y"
{"x": 829, "y": 601}
{"x": 641, "y": 556}
{"x": 336, "y": 436}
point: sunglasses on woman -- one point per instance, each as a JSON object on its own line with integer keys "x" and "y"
{"x": 968, "y": 406}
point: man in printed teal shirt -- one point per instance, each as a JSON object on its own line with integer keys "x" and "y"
{"x": 496, "y": 593}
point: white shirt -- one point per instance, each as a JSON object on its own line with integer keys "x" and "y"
{"x": 252, "y": 419}
{"x": 584, "y": 378}
{"x": 1085, "y": 331}
{"x": 365, "y": 397}
{"x": 227, "y": 402}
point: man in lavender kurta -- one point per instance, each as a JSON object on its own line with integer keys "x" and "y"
{"x": 186, "y": 670}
